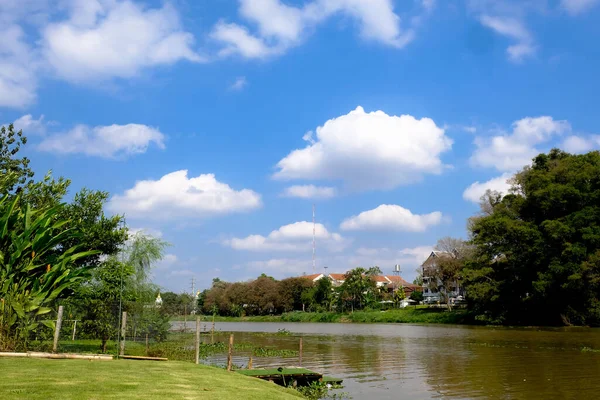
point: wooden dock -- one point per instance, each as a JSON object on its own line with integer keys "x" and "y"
{"x": 286, "y": 376}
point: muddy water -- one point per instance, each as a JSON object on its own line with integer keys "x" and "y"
{"x": 389, "y": 361}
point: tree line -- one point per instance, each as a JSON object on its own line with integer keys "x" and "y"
{"x": 266, "y": 295}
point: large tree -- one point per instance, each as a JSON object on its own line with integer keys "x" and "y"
{"x": 538, "y": 248}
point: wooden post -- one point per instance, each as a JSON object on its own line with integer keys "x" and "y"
{"x": 197, "y": 340}
{"x": 147, "y": 344}
{"x": 212, "y": 332}
{"x": 123, "y": 330}
{"x": 57, "y": 328}
{"x": 300, "y": 352}
{"x": 74, "y": 329}
{"x": 184, "y": 318}
{"x": 230, "y": 352}
{"x": 250, "y": 363}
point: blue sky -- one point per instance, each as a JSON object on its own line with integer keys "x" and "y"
{"x": 218, "y": 125}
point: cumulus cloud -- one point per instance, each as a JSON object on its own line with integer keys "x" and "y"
{"x": 477, "y": 189}
{"x": 408, "y": 258}
{"x": 104, "y": 141}
{"x": 391, "y": 217}
{"x": 369, "y": 151}
{"x": 512, "y": 151}
{"x": 581, "y": 144}
{"x": 177, "y": 196}
{"x": 104, "y": 39}
{"x": 310, "y": 192}
{"x": 292, "y": 237}
{"x": 575, "y": 7}
{"x": 280, "y": 26}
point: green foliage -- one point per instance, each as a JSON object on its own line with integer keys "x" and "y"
{"x": 32, "y": 273}
{"x": 99, "y": 300}
{"x": 321, "y": 390}
{"x": 359, "y": 288}
{"x": 142, "y": 252}
{"x": 417, "y": 296}
{"x": 263, "y": 296}
{"x": 537, "y": 255}
{"x": 105, "y": 234}
{"x": 14, "y": 171}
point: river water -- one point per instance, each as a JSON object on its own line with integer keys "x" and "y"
{"x": 402, "y": 361}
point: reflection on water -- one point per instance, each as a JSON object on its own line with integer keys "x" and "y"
{"x": 390, "y": 361}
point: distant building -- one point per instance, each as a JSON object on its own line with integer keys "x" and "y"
{"x": 431, "y": 285}
{"x": 387, "y": 282}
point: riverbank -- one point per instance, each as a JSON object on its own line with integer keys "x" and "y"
{"x": 34, "y": 379}
{"x": 406, "y": 315}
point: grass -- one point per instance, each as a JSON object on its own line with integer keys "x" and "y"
{"x": 420, "y": 315}
{"x": 34, "y": 379}
{"x": 179, "y": 346}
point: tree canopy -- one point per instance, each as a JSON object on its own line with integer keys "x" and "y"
{"x": 537, "y": 257}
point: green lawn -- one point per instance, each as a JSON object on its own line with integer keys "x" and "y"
{"x": 34, "y": 379}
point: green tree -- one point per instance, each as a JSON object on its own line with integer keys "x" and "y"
{"x": 323, "y": 294}
{"x": 359, "y": 286}
{"x": 15, "y": 171}
{"x": 84, "y": 213}
{"x": 32, "y": 274}
{"x": 109, "y": 290}
{"x": 537, "y": 248}
{"x": 417, "y": 296}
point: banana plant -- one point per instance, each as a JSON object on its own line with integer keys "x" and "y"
{"x": 34, "y": 268}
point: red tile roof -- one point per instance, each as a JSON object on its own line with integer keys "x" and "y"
{"x": 312, "y": 277}
{"x": 381, "y": 278}
{"x": 338, "y": 277}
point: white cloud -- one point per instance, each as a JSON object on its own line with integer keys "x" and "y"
{"x": 239, "y": 83}
{"x": 580, "y": 144}
{"x": 514, "y": 29}
{"x": 310, "y": 192}
{"x": 30, "y": 125}
{"x": 175, "y": 195}
{"x": 103, "y": 39}
{"x": 18, "y": 68}
{"x": 167, "y": 262}
{"x": 104, "y": 141}
{"x": 280, "y": 26}
{"x": 477, "y": 189}
{"x": 408, "y": 258}
{"x": 292, "y": 237}
{"x": 510, "y": 152}
{"x": 369, "y": 151}
{"x": 575, "y": 7}
{"x": 391, "y": 217}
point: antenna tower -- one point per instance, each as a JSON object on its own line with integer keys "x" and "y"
{"x": 314, "y": 241}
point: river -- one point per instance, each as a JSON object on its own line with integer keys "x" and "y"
{"x": 402, "y": 361}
